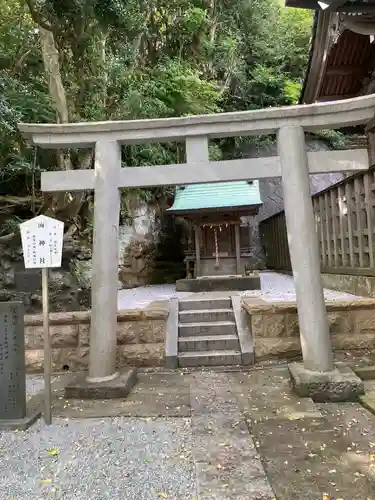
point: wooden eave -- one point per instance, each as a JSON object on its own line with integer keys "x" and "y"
{"x": 336, "y": 70}
{"x": 215, "y": 213}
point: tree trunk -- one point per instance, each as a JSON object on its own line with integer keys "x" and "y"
{"x": 65, "y": 206}
{"x": 52, "y": 68}
{"x": 102, "y": 65}
{"x": 56, "y": 88}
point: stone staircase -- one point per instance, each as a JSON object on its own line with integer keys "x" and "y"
{"x": 207, "y": 333}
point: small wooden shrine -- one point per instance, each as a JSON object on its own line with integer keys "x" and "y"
{"x": 220, "y": 241}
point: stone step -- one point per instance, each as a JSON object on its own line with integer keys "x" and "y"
{"x": 209, "y": 358}
{"x": 206, "y": 315}
{"x": 208, "y": 343}
{"x": 207, "y": 328}
{"x": 209, "y": 303}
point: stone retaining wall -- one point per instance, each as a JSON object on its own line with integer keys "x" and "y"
{"x": 364, "y": 286}
{"x": 275, "y": 329}
{"x": 140, "y": 338}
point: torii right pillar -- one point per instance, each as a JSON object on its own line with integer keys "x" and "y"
{"x": 317, "y": 377}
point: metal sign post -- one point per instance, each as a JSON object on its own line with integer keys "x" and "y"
{"x": 42, "y": 241}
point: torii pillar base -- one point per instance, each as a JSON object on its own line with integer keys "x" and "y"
{"x": 339, "y": 385}
{"x": 116, "y": 388}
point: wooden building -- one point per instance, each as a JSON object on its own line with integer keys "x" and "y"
{"x": 220, "y": 241}
{"x": 342, "y": 57}
{"x": 342, "y": 53}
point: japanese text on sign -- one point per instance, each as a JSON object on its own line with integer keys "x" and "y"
{"x": 42, "y": 240}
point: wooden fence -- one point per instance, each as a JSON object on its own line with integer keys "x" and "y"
{"x": 345, "y": 225}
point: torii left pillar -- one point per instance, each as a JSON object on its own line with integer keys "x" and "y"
{"x": 103, "y": 340}
{"x": 103, "y": 380}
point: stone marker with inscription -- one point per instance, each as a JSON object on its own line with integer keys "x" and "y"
{"x": 14, "y": 413}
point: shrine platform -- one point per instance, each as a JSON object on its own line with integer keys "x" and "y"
{"x": 219, "y": 283}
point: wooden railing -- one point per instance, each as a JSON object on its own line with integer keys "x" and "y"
{"x": 345, "y": 225}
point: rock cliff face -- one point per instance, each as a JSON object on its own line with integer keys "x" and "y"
{"x": 69, "y": 286}
{"x": 272, "y": 196}
{"x": 136, "y": 243}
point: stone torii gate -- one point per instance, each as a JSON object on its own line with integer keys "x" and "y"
{"x": 293, "y": 165}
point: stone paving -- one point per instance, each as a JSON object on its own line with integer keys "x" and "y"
{"x": 275, "y": 286}
{"x": 184, "y": 435}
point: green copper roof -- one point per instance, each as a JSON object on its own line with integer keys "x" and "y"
{"x": 216, "y": 195}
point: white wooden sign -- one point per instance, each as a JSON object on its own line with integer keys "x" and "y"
{"x": 42, "y": 242}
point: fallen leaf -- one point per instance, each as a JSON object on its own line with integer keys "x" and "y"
{"x": 53, "y": 451}
{"x": 46, "y": 481}
{"x": 372, "y": 458}
{"x": 326, "y": 497}
{"x": 148, "y": 460}
{"x": 162, "y": 495}
{"x": 294, "y": 416}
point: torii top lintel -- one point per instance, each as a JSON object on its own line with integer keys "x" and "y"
{"x": 310, "y": 117}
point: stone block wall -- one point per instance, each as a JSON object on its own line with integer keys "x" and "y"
{"x": 364, "y": 286}
{"x": 140, "y": 338}
{"x": 275, "y": 329}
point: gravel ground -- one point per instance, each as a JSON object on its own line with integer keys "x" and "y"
{"x": 274, "y": 287}
{"x": 92, "y": 459}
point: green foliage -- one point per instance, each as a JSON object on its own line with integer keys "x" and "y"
{"x": 10, "y": 225}
{"x": 135, "y": 59}
{"x": 172, "y": 88}
{"x": 23, "y": 96}
{"x": 334, "y": 138}
{"x": 292, "y": 91}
